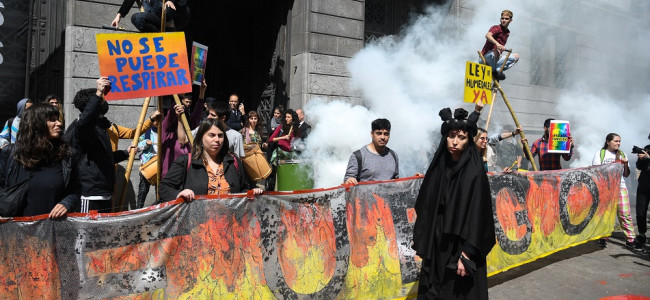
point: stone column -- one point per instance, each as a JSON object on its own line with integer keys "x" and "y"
{"x": 324, "y": 35}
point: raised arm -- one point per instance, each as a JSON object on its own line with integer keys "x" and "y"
{"x": 275, "y": 134}
{"x": 490, "y": 37}
{"x": 124, "y": 10}
{"x": 198, "y": 107}
{"x": 567, "y": 156}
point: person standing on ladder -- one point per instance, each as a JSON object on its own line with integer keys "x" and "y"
{"x": 496, "y": 39}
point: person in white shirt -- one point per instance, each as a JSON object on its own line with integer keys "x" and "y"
{"x": 610, "y": 153}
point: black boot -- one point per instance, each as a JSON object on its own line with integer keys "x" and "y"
{"x": 498, "y": 76}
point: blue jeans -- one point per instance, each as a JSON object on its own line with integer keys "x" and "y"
{"x": 489, "y": 58}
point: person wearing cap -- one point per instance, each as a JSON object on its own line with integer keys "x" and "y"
{"x": 454, "y": 229}
{"x": 548, "y": 161}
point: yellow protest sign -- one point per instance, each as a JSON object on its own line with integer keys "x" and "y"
{"x": 478, "y": 83}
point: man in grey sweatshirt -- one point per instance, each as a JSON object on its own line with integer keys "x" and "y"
{"x": 374, "y": 161}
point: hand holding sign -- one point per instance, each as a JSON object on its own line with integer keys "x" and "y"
{"x": 103, "y": 86}
{"x": 199, "y": 62}
{"x": 560, "y": 140}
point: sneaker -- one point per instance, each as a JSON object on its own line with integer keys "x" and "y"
{"x": 602, "y": 243}
{"x": 634, "y": 245}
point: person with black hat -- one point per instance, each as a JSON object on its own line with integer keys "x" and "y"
{"x": 454, "y": 229}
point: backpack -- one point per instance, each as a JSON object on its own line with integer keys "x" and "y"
{"x": 357, "y": 154}
{"x": 602, "y": 154}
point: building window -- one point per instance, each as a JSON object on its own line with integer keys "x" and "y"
{"x": 552, "y": 49}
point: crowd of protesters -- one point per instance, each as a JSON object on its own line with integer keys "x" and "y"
{"x": 75, "y": 165}
{"x": 45, "y": 169}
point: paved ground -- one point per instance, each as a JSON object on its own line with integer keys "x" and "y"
{"x": 582, "y": 272}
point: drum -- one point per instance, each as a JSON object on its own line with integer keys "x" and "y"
{"x": 256, "y": 165}
{"x": 293, "y": 176}
{"x": 150, "y": 169}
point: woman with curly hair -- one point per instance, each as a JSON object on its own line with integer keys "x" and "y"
{"x": 283, "y": 135}
{"x": 41, "y": 156}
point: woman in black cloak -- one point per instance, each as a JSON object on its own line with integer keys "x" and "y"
{"x": 454, "y": 230}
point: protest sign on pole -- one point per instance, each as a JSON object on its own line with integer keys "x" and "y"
{"x": 144, "y": 64}
{"x": 559, "y": 137}
{"x": 478, "y": 83}
{"x": 199, "y": 61}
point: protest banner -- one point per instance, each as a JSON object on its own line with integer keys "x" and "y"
{"x": 199, "y": 61}
{"x": 144, "y": 64}
{"x": 338, "y": 243}
{"x": 478, "y": 83}
{"x": 559, "y": 137}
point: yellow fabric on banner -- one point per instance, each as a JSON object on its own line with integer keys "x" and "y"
{"x": 379, "y": 278}
{"x": 543, "y": 211}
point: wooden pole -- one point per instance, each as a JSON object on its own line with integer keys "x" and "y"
{"x": 138, "y": 129}
{"x": 139, "y": 3}
{"x": 505, "y": 60}
{"x": 494, "y": 97}
{"x": 512, "y": 112}
{"x": 162, "y": 17}
{"x": 186, "y": 125}
{"x": 136, "y": 137}
{"x": 159, "y": 146}
{"x": 514, "y": 117}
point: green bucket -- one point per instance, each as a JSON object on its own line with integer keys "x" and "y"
{"x": 293, "y": 176}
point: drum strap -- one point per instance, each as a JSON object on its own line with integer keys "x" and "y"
{"x": 236, "y": 163}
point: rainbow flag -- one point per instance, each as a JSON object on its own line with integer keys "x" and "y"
{"x": 199, "y": 62}
{"x": 559, "y": 134}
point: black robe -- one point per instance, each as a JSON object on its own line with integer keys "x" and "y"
{"x": 454, "y": 214}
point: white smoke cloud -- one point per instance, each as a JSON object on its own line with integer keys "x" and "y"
{"x": 594, "y": 116}
{"x": 408, "y": 78}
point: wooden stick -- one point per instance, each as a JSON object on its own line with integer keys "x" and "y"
{"x": 136, "y": 137}
{"x": 159, "y": 146}
{"x": 494, "y": 96}
{"x": 505, "y": 60}
{"x": 514, "y": 117}
{"x": 186, "y": 125}
{"x": 162, "y": 17}
{"x": 139, "y": 3}
{"x": 487, "y": 122}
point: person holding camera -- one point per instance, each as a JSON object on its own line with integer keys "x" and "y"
{"x": 642, "y": 191}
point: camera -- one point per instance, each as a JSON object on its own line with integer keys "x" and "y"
{"x": 638, "y": 150}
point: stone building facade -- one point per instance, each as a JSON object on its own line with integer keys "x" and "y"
{"x": 292, "y": 51}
